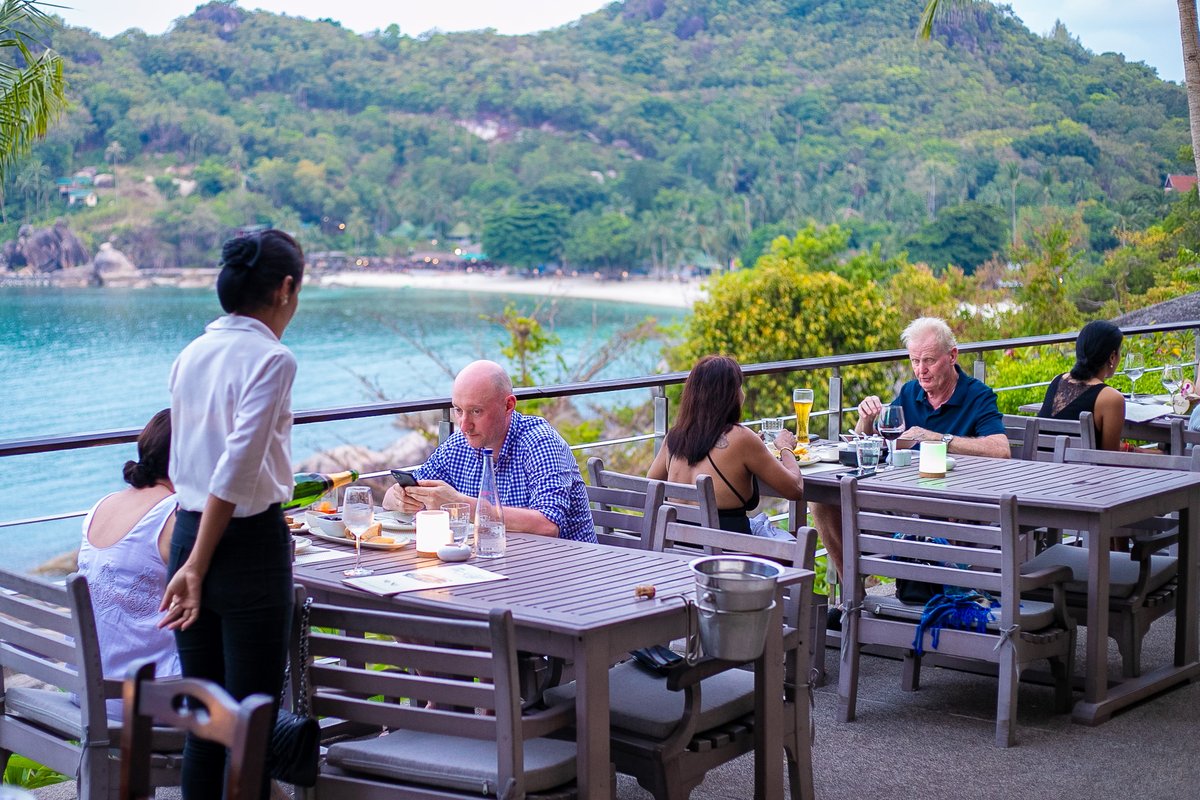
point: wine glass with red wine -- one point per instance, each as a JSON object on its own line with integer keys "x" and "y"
{"x": 890, "y": 425}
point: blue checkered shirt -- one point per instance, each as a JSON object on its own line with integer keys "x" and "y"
{"x": 535, "y": 469}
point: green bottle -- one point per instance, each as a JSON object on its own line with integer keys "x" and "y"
{"x": 311, "y": 485}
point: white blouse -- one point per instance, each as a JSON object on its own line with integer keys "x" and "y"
{"x": 231, "y": 418}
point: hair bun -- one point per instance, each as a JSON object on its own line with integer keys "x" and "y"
{"x": 241, "y": 252}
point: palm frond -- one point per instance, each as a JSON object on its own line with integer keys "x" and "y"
{"x": 934, "y": 10}
{"x": 31, "y": 96}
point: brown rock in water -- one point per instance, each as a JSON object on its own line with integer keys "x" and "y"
{"x": 45, "y": 249}
{"x": 59, "y": 565}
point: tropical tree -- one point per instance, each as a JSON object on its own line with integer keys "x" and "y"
{"x": 32, "y": 88}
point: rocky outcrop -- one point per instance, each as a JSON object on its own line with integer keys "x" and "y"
{"x": 111, "y": 267}
{"x": 44, "y": 249}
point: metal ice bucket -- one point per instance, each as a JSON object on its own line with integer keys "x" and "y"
{"x": 734, "y": 596}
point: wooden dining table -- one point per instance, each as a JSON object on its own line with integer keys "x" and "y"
{"x": 577, "y": 601}
{"x": 1097, "y": 500}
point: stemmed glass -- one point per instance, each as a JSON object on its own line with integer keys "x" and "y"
{"x": 358, "y": 514}
{"x": 890, "y": 425}
{"x": 1135, "y": 367}
{"x": 1172, "y": 379}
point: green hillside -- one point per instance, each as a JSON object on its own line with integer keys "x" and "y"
{"x": 653, "y": 133}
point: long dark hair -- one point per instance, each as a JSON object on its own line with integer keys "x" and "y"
{"x": 1098, "y": 340}
{"x": 252, "y": 267}
{"x": 154, "y": 452}
{"x": 710, "y": 406}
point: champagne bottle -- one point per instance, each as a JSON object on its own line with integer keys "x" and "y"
{"x": 311, "y": 485}
{"x": 489, "y": 514}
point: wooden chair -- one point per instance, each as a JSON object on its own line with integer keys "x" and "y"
{"x": 1034, "y": 438}
{"x": 695, "y": 503}
{"x": 983, "y": 553}
{"x": 423, "y": 680}
{"x": 203, "y": 709}
{"x": 1143, "y": 580}
{"x": 625, "y": 517}
{"x": 48, "y": 633}
{"x": 1183, "y": 440}
{"x": 668, "y": 732}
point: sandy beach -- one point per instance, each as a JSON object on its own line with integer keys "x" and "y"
{"x": 646, "y": 291}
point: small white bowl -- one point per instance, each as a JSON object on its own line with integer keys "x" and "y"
{"x": 454, "y": 552}
{"x": 328, "y": 524}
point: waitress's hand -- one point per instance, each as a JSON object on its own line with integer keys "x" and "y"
{"x": 181, "y": 599}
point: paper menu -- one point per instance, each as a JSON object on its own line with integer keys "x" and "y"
{"x": 423, "y": 579}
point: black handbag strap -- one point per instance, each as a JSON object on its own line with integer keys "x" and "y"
{"x": 302, "y": 701}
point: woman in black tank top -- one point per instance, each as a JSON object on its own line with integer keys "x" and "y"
{"x": 1097, "y": 354}
{"x": 708, "y": 439}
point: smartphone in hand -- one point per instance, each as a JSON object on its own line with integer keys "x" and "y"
{"x": 404, "y": 478}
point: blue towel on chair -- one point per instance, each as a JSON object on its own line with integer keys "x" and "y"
{"x": 967, "y": 612}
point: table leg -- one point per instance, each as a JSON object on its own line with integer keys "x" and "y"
{"x": 592, "y": 760}
{"x": 1187, "y": 608}
{"x": 1095, "y": 686}
{"x": 768, "y": 711}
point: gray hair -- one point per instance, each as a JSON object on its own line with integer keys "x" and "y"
{"x": 935, "y": 326}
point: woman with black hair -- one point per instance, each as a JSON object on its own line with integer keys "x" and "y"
{"x": 123, "y": 554}
{"x": 229, "y": 599}
{"x": 1097, "y": 355}
{"x": 707, "y": 438}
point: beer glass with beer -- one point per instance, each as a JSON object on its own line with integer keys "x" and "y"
{"x": 802, "y": 400}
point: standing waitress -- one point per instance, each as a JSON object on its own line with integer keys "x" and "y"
{"x": 229, "y": 599}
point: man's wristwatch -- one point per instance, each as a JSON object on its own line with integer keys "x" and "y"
{"x": 947, "y": 438}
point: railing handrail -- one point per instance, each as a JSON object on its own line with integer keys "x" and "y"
{"x": 49, "y": 444}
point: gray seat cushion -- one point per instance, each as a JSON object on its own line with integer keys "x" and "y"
{"x": 640, "y": 702}
{"x": 56, "y": 710}
{"x": 1034, "y": 614}
{"x": 1122, "y": 570}
{"x": 453, "y": 762}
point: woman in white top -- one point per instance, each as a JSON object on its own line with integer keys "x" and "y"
{"x": 230, "y": 595}
{"x": 126, "y": 540}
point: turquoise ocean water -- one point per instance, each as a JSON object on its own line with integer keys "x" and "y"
{"x": 82, "y": 360}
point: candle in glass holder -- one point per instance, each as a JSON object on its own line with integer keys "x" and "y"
{"x": 433, "y": 531}
{"x": 932, "y": 463}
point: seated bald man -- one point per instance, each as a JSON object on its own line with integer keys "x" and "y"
{"x": 538, "y": 478}
{"x": 941, "y": 404}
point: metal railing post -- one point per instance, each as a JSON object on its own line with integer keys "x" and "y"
{"x": 834, "y": 420}
{"x": 445, "y": 426}
{"x": 661, "y": 407}
{"x": 979, "y": 370}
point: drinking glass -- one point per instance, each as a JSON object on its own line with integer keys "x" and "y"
{"x": 1135, "y": 367}
{"x": 460, "y": 521}
{"x": 890, "y": 425}
{"x": 1172, "y": 378}
{"x": 869, "y": 450}
{"x": 802, "y": 401}
{"x": 358, "y": 514}
{"x": 771, "y": 428}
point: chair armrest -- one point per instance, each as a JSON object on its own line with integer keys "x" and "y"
{"x": 113, "y": 689}
{"x": 685, "y": 675}
{"x": 1044, "y": 577}
{"x": 1145, "y": 546}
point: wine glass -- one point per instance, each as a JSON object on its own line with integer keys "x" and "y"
{"x": 1172, "y": 379}
{"x": 358, "y": 514}
{"x": 1135, "y": 367}
{"x": 890, "y": 425}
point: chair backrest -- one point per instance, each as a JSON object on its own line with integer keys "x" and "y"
{"x": 1034, "y": 438}
{"x": 203, "y": 709}
{"x": 429, "y": 675}
{"x": 669, "y": 534}
{"x": 1183, "y": 438}
{"x": 48, "y": 632}
{"x": 695, "y": 503}
{"x": 1063, "y": 453}
{"x": 625, "y": 517}
{"x": 895, "y": 536}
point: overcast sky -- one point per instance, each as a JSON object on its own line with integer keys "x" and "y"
{"x": 1144, "y": 30}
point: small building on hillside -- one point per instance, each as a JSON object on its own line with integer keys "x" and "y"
{"x": 1179, "y": 183}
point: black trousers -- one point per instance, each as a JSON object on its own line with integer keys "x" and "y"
{"x": 240, "y": 638}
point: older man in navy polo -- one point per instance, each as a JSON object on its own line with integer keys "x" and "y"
{"x": 941, "y": 404}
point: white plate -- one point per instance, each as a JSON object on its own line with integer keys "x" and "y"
{"x": 400, "y": 541}
{"x": 301, "y": 543}
{"x": 829, "y": 454}
{"x": 390, "y": 523}
{"x": 807, "y": 461}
